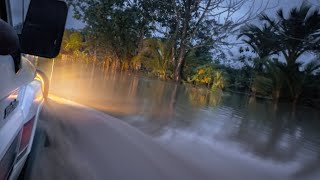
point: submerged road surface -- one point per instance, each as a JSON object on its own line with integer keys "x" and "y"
{"x": 87, "y": 144}
{"x": 187, "y": 133}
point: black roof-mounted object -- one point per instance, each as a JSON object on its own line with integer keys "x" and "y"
{"x": 9, "y": 43}
{"x": 43, "y": 28}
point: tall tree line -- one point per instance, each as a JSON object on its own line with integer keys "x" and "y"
{"x": 120, "y": 27}
{"x": 178, "y": 39}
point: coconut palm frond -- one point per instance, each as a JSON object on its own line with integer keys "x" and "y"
{"x": 263, "y": 40}
{"x": 312, "y": 66}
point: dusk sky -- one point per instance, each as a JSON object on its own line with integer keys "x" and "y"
{"x": 271, "y": 7}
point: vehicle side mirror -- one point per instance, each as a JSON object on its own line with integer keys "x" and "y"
{"x": 43, "y": 28}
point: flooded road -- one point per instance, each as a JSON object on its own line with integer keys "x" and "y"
{"x": 87, "y": 144}
{"x": 231, "y": 136}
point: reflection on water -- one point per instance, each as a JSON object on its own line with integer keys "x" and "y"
{"x": 188, "y": 118}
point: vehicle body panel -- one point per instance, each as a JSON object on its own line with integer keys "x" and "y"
{"x": 9, "y": 80}
{"x": 25, "y": 93}
{"x": 22, "y": 87}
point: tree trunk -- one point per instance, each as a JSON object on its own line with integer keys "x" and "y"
{"x": 173, "y": 56}
{"x": 183, "y": 46}
{"x": 95, "y": 55}
{"x": 141, "y": 38}
{"x": 181, "y": 58}
{"x": 51, "y": 74}
{"x": 173, "y": 101}
{"x": 291, "y": 62}
{"x": 276, "y": 96}
{"x": 92, "y": 73}
{"x": 295, "y": 99}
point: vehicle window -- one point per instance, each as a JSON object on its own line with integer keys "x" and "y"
{"x": 18, "y": 11}
{"x": 2, "y": 10}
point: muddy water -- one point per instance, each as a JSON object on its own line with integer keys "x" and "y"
{"x": 235, "y": 134}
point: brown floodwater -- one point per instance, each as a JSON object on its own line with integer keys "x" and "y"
{"x": 226, "y": 130}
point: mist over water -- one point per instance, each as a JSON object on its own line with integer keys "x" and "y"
{"x": 225, "y": 132}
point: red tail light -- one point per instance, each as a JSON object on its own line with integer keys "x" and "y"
{"x": 26, "y": 134}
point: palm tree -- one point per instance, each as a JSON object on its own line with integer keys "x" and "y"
{"x": 298, "y": 33}
{"x": 272, "y": 80}
{"x": 262, "y": 40}
{"x": 299, "y": 81}
{"x": 155, "y": 55}
{"x": 278, "y": 75}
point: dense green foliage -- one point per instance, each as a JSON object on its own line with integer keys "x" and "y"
{"x": 154, "y": 57}
{"x": 184, "y": 40}
{"x": 120, "y": 27}
{"x": 290, "y": 36}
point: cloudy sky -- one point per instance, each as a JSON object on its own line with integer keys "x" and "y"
{"x": 71, "y": 22}
{"x": 286, "y": 5}
{"x": 270, "y": 6}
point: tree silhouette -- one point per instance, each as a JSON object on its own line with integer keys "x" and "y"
{"x": 298, "y": 33}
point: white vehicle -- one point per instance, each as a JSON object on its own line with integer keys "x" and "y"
{"x": 23, "y": 88}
